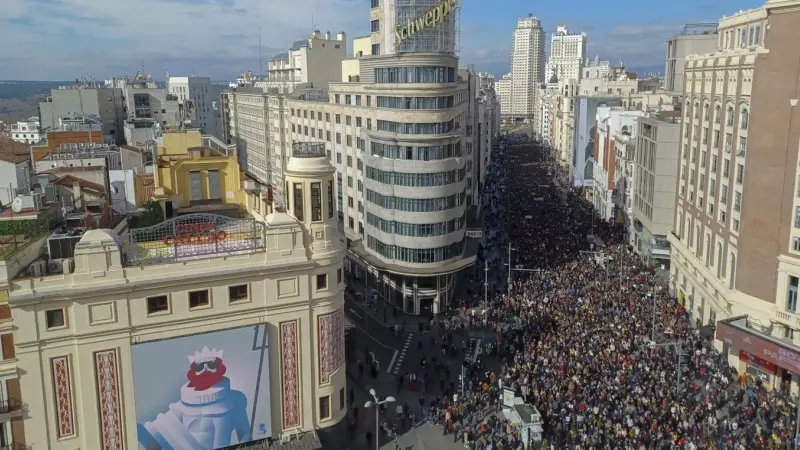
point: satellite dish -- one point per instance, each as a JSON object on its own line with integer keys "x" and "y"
{"x": 16, "y": 205}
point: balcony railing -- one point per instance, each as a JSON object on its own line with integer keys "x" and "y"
{"x": 11, "y": 409}
{"x": 14, "y": 446}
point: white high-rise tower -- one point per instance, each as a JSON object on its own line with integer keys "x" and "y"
{"x": 527, "y": 66}
{"x": 567, "y": 52}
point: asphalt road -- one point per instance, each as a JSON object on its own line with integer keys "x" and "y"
{"x": 371, "y": 336}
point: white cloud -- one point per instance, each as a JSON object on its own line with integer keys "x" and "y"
{"x": 64, "y": 39}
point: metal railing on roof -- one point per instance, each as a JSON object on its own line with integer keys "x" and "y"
{"x": 308, "y": 150}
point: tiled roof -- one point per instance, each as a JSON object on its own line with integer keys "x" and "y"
{"x": 14, "y": 152}
{"x": 68, "y": 181}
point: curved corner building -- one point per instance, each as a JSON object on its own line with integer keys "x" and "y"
{"x": 415, "y": 167}
{"x": 396, "y": 128}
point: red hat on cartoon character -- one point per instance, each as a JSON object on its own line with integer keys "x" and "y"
{"x": 205, "y": 369}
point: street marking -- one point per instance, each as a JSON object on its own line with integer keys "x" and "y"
{"x": 371, "y": 336}
{"x": 391, "y": 363}
{"x": 403, "y": 353}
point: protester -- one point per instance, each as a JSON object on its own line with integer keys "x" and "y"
{"x": 573, "y": 337}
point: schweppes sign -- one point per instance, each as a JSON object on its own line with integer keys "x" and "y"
{"x": 430, "y": 19}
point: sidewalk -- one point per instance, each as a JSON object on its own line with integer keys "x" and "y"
{"x": 383, "y": 312}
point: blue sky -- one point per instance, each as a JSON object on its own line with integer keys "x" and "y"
{"x": 66, "y": 39}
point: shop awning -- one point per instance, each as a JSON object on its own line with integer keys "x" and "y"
{"x": 737, "y": 334}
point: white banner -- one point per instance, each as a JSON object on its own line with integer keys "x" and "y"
{"x": 474, "y": 232}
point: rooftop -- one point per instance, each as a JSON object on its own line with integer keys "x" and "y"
{"x": 14, "y": 152}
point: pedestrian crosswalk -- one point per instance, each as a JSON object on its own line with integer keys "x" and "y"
{"x": 402, "y": 355}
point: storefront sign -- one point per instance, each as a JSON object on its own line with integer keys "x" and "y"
{"x": 758, "y": 362}
{"x": 766, "y": 351}
{"x": 195, "y": 233}
{"x": 430, "y": 19}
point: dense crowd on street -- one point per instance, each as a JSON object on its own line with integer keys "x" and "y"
{"x": 576, "y": 338}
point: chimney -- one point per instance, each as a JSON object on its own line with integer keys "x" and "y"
{"x": 340, "y": 36}
{"x": 327, "y": 35}
{"x": 76, "y": 191}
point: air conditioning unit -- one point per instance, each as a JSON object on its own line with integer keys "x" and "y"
{"x": 740, "y": 154}
{"x": 54, "y": 266}
{"x": 67, "y": 266}
{"x": 38, "y": 269}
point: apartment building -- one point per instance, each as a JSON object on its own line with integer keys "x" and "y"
{"x": 316, "y": 60}
{"x": 527, "y": 66}
{"x": 614, "y": 139}
{"x": 567, "y": 53}
{"x": 26, "y": 132}
{"x": 150, "y": 109}
{"x": 694, "y": 39}
{"x": 102, "y": 104}
{"x": 115, "y": 341}
{"x": 735, "y": 239}
{"x": 199, "y": 99}
{"x": 409, "y": 134}
{"x": 655, "y": 172}
{"x": 504, "y": 87}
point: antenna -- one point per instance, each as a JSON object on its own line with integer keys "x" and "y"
{"x": 260, "y": 61}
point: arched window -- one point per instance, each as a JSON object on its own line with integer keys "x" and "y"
{"x": 708, "y": 251}
{"x": 732, "y": 279}
{"x": 717, "y": 113}
{"x": 696, "y": 110}
{"x": 690, "y": 238}
{"x": 720, "y": 261}
{"x": 729, "y": 116}
{"x": 744, "y": 118}
{"x": 680, "y": 225}
{"x": 706, "y": 112}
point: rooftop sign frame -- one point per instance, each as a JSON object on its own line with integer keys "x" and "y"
{"x": 192, "y": 236}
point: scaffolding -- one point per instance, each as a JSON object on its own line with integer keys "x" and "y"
{"x": 442, "y": 38}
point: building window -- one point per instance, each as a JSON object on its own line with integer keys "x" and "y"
{"x": 338, "y": 118}
{"x": 339, "y": 276}
{"x": 316, "y": 201}
{"x": 375, "y": 26}
{"x": 341, "y": 399}
{"x": 199, "y": 299}
{"x": 744, "y": 120}
{"x": 55, "y": 318}
{"x": 298, "y": 201}
{"x": 158, "y": 304}
{"x": 796, "y": 244}
{"x": 322, "y": 281}
{"x": 325, "y": 408}
{"x": 330, "y": 199}
{"x": 791, "y": 295}
{"x": 374, "y": 3}
{"x": 797, "y": 216}
{"x": 376, "y": 49}
{"x": 729, "y": 118}
{"x": 238, "y": 293}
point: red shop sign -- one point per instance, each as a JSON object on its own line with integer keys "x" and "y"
{"x": 195, "y": 233}
{"x": 759, "y": 347}
{"x": 758, "y": 362}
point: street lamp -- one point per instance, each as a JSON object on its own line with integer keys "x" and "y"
{"x": 377, "y": 403}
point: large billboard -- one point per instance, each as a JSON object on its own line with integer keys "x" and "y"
{"x": 423, "y": 26}
{"x": 203, "y": 391}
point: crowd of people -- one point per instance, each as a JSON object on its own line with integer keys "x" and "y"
{"x": 575, "y": 335}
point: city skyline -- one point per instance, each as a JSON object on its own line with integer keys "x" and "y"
{"x": 113, "y": 39}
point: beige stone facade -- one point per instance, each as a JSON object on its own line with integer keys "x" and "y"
{"x": 97, "y": 345}
{"x": 734, "y": 233}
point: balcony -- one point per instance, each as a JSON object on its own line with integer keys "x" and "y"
{"x": 11, "y": 409}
